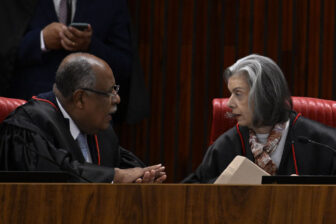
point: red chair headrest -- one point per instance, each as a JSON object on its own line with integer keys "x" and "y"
{"x": 7, "y": 105}
{"x": 323, "y": 111}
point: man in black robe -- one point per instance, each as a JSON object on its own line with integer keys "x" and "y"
{"x": 46, "y": 134}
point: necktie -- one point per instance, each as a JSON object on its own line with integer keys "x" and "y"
{"x": 82, "y": 142}
{"x": 63, "y": 11}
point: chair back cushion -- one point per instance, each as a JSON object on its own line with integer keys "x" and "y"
{"x": 7, "y": 105}
{"x": 323, "y": 111}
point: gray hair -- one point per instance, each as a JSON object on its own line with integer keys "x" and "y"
{"x": 269, "y": 93}
{"x": 73, "y": 74}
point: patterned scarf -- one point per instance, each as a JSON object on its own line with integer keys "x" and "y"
{"x": 261, "y": 152}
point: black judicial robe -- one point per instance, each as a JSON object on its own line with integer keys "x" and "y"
{"x": 312, "y": 159}
{"x": 37, "y": 133}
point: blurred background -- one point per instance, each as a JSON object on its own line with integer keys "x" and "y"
{"x": 184, "y": 47}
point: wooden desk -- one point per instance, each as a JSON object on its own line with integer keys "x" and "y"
{"x": 166, "y": 203}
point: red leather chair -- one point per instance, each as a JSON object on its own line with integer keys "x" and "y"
{"x": 7, "y": 105}
{"x": 323, "y": 111}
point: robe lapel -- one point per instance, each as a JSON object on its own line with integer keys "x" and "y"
{"x": 61, "y": 125}
{"x": 68, "y": 142}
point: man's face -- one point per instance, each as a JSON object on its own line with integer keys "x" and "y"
{"x": 238, "y": 101}
{"x": 100, "y": 107}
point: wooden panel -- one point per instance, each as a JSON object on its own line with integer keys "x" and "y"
{"x": 183, "y": 121}
{"x": 199, "y": 79}
{"x": 156, "y": 79}
{"x": 229, "y": 38}
{"x": 327, "y": 57}
{"x": 259, "y": 24}
{"x": 286, "y": 38}
{"x": 105, "y": 203}
{"x": 243, "y": 23}
{"x": 301, "y": 45}
{"x": 184, "y": 46}
{"x": 313, "y": 52}
{"x": 172, "y": 82}
{"x": 272, "y": 29}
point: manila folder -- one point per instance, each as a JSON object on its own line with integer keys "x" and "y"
{"x": 241, "y": 171}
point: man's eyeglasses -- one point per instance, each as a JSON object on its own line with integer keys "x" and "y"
{"x": 108, "y": 94}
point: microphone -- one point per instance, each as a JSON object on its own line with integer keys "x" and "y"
{"x": 306, "y": 140}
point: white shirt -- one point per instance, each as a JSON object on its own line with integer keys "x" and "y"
{"x": 74, "y": 130}
{"x": 276, "y": 155}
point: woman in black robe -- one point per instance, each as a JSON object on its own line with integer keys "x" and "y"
{"x": 268, "y": 132}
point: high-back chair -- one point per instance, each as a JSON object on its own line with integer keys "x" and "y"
{"x": 323, "y": 111}
{"x": 7, "y": 105}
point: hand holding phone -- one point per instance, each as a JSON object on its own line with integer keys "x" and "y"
{"x": 76, "y": 37}
{"x": 80, "y": 26}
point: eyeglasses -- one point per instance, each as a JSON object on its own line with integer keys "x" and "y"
{"x": 108, "y": 94}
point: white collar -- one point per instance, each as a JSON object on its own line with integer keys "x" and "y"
{"x": 74, "y": 130}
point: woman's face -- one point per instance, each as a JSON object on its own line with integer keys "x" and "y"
{"x": 238, "y": 101}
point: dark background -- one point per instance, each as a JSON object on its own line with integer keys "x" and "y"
{"x": 184, "y": 46}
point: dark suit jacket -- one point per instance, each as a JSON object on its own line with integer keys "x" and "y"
{"x": 110, "y": 41}
{"x": 14, "y": 18}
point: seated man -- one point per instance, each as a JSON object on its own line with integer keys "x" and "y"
{"x": 69, "y": 129}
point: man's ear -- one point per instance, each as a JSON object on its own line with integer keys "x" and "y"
{"x": 78, "y": 98}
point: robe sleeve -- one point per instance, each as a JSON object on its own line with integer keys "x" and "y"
{"x": 129, "y": 160}
{"x": 206, "y": 172}
{"x": 24, "y": 150}
{"x": 218, "y": 156}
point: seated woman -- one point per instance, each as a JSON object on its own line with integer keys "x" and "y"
{"x": 269, "y": 133}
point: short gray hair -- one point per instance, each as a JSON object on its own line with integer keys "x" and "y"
{"x": 269, "y": 92}
{"x": 73, "y": 74}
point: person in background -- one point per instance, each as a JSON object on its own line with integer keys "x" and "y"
{"x": 69, "y": 129}
{"x": 269, "y": 133}
{"x": 49, "y": 37}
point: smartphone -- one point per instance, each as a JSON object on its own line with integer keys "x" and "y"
{"x": 80, "y": 26}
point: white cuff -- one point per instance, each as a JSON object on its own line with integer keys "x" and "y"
{"x": 43, "y": 48}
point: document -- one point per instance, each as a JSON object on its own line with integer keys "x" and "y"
{"x": 241, "y": 171}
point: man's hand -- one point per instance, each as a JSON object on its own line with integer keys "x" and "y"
{"x": 51, "y": 36}
{"x": 73, "y": 39}
{"x": 153, "y": 176}
{"x": 140, "y": 175}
